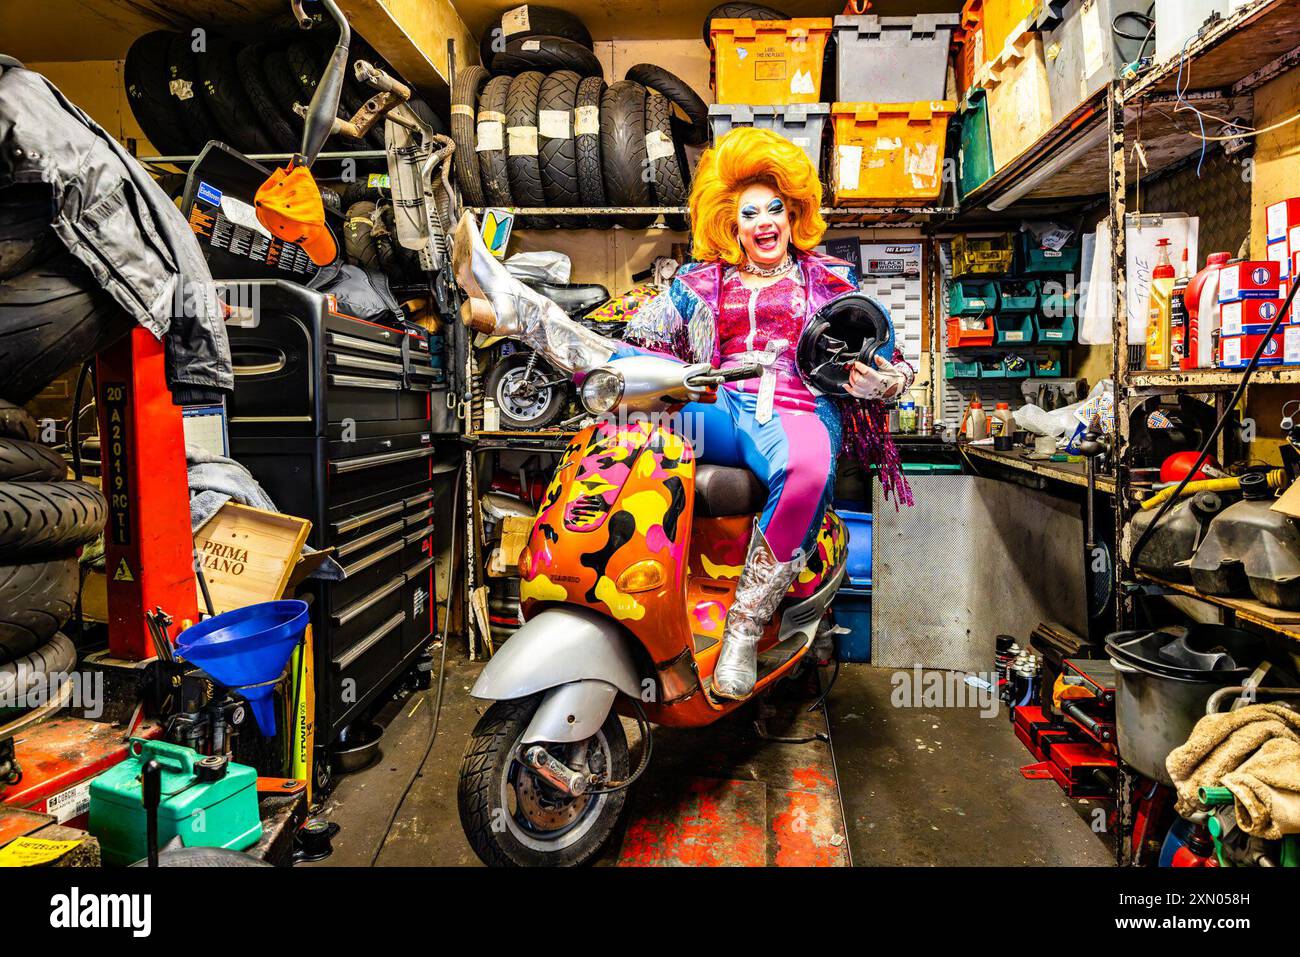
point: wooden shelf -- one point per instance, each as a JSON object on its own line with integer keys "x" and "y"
{"x": 1071, "y": 473}
{"x": 1276, "y": 620}
{"x": 1212, "y": 380}
{"x": 835, "y": 216}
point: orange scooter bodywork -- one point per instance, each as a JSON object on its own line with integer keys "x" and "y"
{"x": 617, "y": 533}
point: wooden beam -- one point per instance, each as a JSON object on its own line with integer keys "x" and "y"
{"x": 413, "y": 35}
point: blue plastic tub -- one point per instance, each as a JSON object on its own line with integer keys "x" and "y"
{"x": 858, "y": 572}
{"x": 852, "y": 608}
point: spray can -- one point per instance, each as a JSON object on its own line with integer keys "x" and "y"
{"x": 1178, "y": 318}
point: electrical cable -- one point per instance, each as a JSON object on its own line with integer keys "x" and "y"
{"x": 648, "y": 747}
{"x": 442, "y": 675}
{"x": 1218, "y": 426}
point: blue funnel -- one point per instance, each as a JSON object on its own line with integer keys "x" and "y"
{"x": 246, "y": 650}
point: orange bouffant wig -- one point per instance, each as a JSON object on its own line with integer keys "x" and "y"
{"x": 742, "y": 158}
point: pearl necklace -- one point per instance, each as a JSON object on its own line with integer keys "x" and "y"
{"x": 778, "y": 270}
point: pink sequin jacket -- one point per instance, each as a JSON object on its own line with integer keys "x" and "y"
{"x": 684, "y": 322}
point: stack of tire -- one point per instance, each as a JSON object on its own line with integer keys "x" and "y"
{"x": 537, "y": 126}
{"x": 44, "y": 521}
{"x": 190, "y": 86}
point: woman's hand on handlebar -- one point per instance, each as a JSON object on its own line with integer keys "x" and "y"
{"x": 883, "y": 382}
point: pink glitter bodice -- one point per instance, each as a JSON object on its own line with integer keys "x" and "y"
{"x": 750, "y": 319}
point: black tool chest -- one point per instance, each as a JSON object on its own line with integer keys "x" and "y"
{"x": 333, "y": 416}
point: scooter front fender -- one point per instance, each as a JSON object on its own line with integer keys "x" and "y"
{"x": 572, "y": 650}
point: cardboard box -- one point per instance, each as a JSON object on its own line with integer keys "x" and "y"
{"x": 1235, "y": 352}
{"x": 1280, "y": 253}
{"x": 1281, "y": 218}
{"x": 1261, "y": 279}
{"x": 1248, "y": 316}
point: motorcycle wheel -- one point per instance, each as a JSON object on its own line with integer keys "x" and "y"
{"x": 513, "y": 818}
{"x": 513, "y": 387}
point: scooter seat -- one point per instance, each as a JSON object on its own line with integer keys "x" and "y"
{"x": 721, "y": 490}
{"x": 575, "y": 299}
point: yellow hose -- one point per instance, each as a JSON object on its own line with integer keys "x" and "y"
{"x": 1276, "y": 479}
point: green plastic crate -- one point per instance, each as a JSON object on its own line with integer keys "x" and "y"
{"x": 1058, "y": 329}
{"x": 975, "y": 158}
{"x": 956, "y": 369}
{"x": 1013, "y": 328}
{"x": 1015, "y": 370}
{"x": 971, "y": 298}
{"x": 1047, "y": 368}
{"x": 992, "y": 369}
{"x": 1019, "y": 295}
{"x": 1032, "y": 259}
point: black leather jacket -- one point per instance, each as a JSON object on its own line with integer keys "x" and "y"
{"x": 113, "y": 218}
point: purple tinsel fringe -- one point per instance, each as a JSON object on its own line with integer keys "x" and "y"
{"x": 866, "y": 433}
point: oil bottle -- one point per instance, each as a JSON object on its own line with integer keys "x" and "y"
{"x": 1160, "y": 309}
{"x": 1178, "y": 317}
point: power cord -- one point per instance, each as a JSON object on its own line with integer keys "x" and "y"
{"x": 442, "y": 675}
{"x": 1218, "y": 426}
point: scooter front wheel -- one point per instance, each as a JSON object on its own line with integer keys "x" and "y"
{"x": 512, "y": 817}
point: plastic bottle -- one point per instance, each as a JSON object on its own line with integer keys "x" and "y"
{"x": 1002, "y": 422}
{"x": 975, "y": 423}
{"x": 1202, "y": 298}
{"x": 1159, "y": 309}
{"x": 1178, "y": 317}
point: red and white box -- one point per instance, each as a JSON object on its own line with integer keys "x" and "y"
{"x": 1281, "y": 218}
{"x": 1250, "y": 280}
{"x": 1248, "y": 316}
{"x": 1235, "y": 352}
{"x": 1280, "y": 253}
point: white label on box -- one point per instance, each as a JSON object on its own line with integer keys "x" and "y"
{"x": 1013, "y": 336}
{"x": 586, "y": 121}
{"x": 1280, "y": 254}
{"x": 489, "y": 135}
{"x": 1230, "y": 319}
{"x": 800, "y": 141}
{"x": 1095, "y": 39}
{"x": 71, "y": 803}
{"x": 523, "y": 140}
{"x": 802, "y": 83}
{"x": 658, "y": 145}
{"x": 849, "y": 167}
{"x": 553, "y": 124}
{"x": 1277, "y": 222}
{"x": 1229, "y": 283}
{"x": 1293, "y": 240}
{"x": 1231, "y": 351}
{"x": 514, "y": 21}
{"x": 1291, "y": 345}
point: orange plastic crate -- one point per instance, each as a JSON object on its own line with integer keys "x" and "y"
{"x": 889, "y": 153}
{"x": 769, "y": 62}
{"x": 970, "y": 45}
{"x": 1002, "y": 19}
{"x": 959, "y": 338}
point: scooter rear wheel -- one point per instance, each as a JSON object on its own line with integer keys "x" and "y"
{"x": 512, "y": 818}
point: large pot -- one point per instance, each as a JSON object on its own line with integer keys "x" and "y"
{"x": 1163, "y": 680}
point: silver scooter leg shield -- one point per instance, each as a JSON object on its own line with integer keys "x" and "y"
{"x": 579, "y": 658}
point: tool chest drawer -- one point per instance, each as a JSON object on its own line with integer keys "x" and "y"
{"x": 355, "y": 673}
{"x": 352, "y": 621}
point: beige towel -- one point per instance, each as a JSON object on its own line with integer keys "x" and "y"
{"x": 1255, "y": 753}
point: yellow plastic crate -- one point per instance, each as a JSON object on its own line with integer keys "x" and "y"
{"x": 1019, "y": 98}
{"x": 769, "y": 62}
{"x": 889, "y": 154}
{"x": 1002, "y": 19}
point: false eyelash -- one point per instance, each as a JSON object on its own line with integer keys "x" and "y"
{"x": 749, "y": 211}
{"x": 775, "y": 206}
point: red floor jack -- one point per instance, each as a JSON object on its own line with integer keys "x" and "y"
{"x": 149, "y": 562}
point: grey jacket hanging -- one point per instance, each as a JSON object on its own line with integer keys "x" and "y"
{"x": 113, "y": 218}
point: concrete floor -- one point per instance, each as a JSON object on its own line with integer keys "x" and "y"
{"x": 916, "y": 787}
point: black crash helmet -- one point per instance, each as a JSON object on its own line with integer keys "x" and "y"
{"x": 853, "y": 328}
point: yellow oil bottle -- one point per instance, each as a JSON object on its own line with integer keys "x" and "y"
{"x": 1160, "y": 309}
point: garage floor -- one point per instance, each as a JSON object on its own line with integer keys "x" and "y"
{"x": 909, "y": 792}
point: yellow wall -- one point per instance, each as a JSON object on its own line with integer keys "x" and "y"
{"x": 97, "y": 87}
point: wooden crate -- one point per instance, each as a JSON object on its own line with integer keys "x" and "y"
{"x": 249, "y": 555}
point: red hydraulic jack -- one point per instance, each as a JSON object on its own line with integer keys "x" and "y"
{"x": 149, "y": 550}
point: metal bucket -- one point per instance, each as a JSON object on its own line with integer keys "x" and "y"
{"x": 1153, "y": 715}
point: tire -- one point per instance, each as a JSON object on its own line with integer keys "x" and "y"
{"x": 58, "y": 655}
{"x": 248, "y": 64}
{"x": 464, "y": 114}
{"x": 557, "y": 155}
{"x": 487, "y": 771}
{"x": 542, "y": 22}
{"x": 524, "y": 412}
{"x": 283, "y": 85}
{"x": 591, "y": 178}
{"x": 544, "y": 55}
{"x": 22, "y": 461}
{"x": 353, "y": 95}
{"x": 492, "y": 162}
{"x": 52, "y": 317}
{"x": 36, "y": 598}
{"x": 523, "y": 164}
{"x": 302, "y": 59}
{"x": 740, "y": 11}
{"x": 679, "y": 93}
{"x": 16, "y": 423}
{"x": 358, "y": 241}
{"x": 145, "y": 75}
{"x": 183, "y": 85}
{"x": 622, "y": 150}
{"x": 41, "y": 518}
{"x": 669, "y": 184}
{"x": 422, "y": 109}
{"x": 224, "y": 96}
{"x": 26, "y": 236}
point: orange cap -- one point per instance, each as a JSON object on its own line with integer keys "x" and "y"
{"x": 289, "y": 205}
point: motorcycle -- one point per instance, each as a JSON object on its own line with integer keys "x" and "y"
{"x": 625, "y": 582}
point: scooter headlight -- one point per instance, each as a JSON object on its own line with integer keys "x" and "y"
{"x": 601, "y": 391}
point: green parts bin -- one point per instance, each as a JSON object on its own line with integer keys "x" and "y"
{"x": 957, "y": 369}
{"x": 1013, "y": 328}
{"x": 975, "y": 158}
{"x": 1033, "y": 259}
{"x": 893, "y": 59}
{"x": 1019, "y": 295}
{"x": 801, "y": 123}
{"x": 205, "y": 802}
{"x": 967, "y": 298}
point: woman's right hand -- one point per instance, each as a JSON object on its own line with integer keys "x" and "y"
{"x": 883, "y": 382}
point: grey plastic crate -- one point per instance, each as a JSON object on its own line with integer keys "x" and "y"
{"x": 801, "y": 123}
{"x": 893, "y": 59}
{"x": 1083, "y": 52}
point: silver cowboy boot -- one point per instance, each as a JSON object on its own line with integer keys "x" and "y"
{"x": 763, "y": 583}
{"x": 498, "y": 304}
